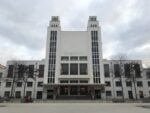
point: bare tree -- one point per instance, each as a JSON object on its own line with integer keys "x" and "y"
{"x": 120, "y": 60}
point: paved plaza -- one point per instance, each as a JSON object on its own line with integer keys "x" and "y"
{"x": 75, "y": 107}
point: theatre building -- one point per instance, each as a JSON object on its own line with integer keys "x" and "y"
{"x": 74, "y": 69}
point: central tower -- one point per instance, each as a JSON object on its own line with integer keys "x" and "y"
{"x": 73, "y": 64}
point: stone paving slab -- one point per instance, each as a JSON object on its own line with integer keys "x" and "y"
{"x": 74, "y": 108}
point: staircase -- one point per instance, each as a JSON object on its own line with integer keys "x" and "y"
{"x": 73, "y": 97}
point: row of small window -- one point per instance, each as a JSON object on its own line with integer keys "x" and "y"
{"x": 74, "y": 81}
{"x": 128, "y": 83}
{"x": 39, "y": 94}
{"x": 74, "y": 69}
{"x": 51, "y": 80}
{"x": 74, "y": 58}
{"x": 19, "y": 84}
{"x": 117, "y": 70}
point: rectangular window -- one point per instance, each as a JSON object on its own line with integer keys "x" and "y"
{"x": 83, "y": 69}
{"x": 148, "y": 83}
{"x": 31, "y": 71}
{"x": 40, "y": 84}
{"x": 64, "y": 58}
{"x": 137, "y": 70}
{"x": 41, "y": 71}
{"x": 108, "y": 83}
{"x": 8, "y": 84}
{"x": 0, "y": 83}
{"x": 29, "y": 93}
{"x": 108, "y": 93}
{"x": 73, "y": 81}
{"x": 10, "y": 71}
{"x": 1, "y": 74}
{"x": 119, "y": 93}
{"x": 117, "y": 70}
{"x": 29, "y": 84}
{"x": 127, "y": 70}
{"x": 83, "y": 81}
{"x": 106, "y": 70}
{"x": 7, "y": 94}
{"x": 64, "y": 69}
{"x": 73, "y": 69}
{"x": 118, "y": 84}
{"x": 128, "y": 83}
{"x": 18, "y": 94}
{"x": 19, "y": 84}
{"x": 139, "y": 84}
{"x": 83, "y": 58}
{"x": 148, "y": 73}
{"x": 64, "y": 81}
{"x": 74, "y": 58}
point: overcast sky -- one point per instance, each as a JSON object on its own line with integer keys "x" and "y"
{"x": 125, "y": 26}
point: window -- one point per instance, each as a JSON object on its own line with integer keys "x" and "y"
{"x": 18, "y": 94}
{"x": 106, "y": 70}
{"x": 148, "y": 83}
{"x": 39, "y": 94}
{"x": 73, "y": 81}
{"x": 119, "y": 93}
{"x": 83, "y": 81}
{"x": 73, "y": 69}
{"x": 10, "y": 71}
{"x": 0, "y": 83}
{"x": 40, "y": 84}
{"x": 128, "y": 83}
{"x": 29, "y": 84}
{"x": 148, "y": 73}
{"x": 139, "y": 84}
{"x": 73, "y": 58}
{"x": 64, "y": 81}
{"x": 8, "y": 84}
{"x": 118, "y": 84}
{"x": 137, "y": 70}
{"x": 31, "y": 71}
{"x": 64, "y": 69}
{"x": 7, "y": 93}
{"x": 108, "y": 83}
{"x": 83, "y": 58}
{"x": 41, "y": 71}
{"x": 117, "y": 70}
{"x": 1, "y": 74}
{"x": 127, "y": 70}
{"x": 19, "y": 84}
{"x": 108, "y": 93}
{"x": 83, "y": 69}
{"x": 29, "y": 93}
{"x": 64, "y": 58}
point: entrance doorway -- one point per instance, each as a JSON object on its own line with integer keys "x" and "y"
{"x": 39, "y": 95}
{"x": 73, "y": 90}
{"x": 97, "y": 94}
{"x": 49, "y": 94}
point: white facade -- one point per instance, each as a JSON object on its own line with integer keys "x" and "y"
{"x": 74, "y": 68}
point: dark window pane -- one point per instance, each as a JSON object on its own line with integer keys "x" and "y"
{"x": 137, "y": 70}
{"x": 127, "y": 70}
{"x": 29, "y": 84}
{"x": 73, "y": 69}
{"x": 7, "y": 94}
{"x": 73, "y": 58}
{"x": 83, "y": 58}
{"x": 64, "y": 69}
{"x": 18, "y": 94}
{"x": 10, "y": 71}
{"x": 64, "y": 58}
{"x": 118, "y": 84}
{"x": 41, "y": 71}
{"x": 139, "y": 84}
{"x": 31, "y": 71}
{"x": 8, "y": 84}
{"x": 117, "y": 70}
{"x": 106, "y": 70}
{"x": 83, "y": 69}
{"x": 119, "y": 93}
{"x": 19, "y": 84}
{"x": 128, "y": 83}
{"x": 108, "y": 83}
